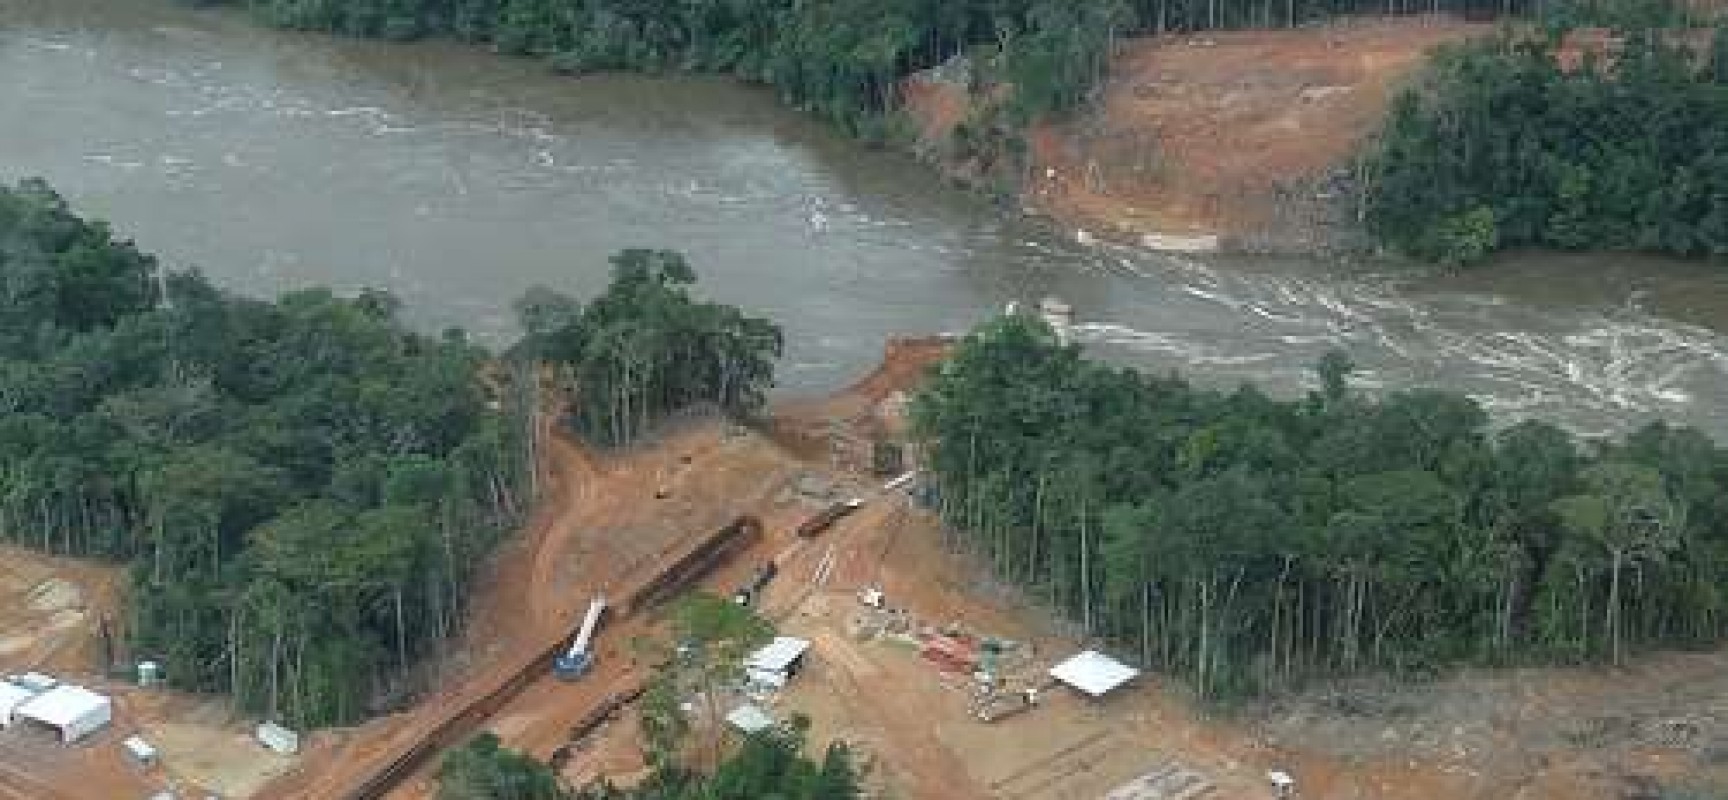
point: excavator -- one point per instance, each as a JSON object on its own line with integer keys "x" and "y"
{"x": 575, "y": 662}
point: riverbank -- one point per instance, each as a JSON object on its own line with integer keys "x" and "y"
{"x": 458, "y": 179}
{"x": 1233, "y": 140}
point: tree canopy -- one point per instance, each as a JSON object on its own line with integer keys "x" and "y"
{"x": 770, "y": 764}
{"x": 302, "y": 487}
{"x": 483, "y": 769}
{"x": 1246, "y": 543}
{"x": 644, "y": 348}
{"x": 1505, "y": 145}
{"x": 1502, "y": 147}
{"x": 841, "y": 59}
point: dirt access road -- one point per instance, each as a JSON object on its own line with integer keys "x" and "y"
{"x": 1525, "y": 735}
{"x": 602, "y": 523}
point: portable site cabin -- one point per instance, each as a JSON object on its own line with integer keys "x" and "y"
{"x": 74, "y": 711}
{"x": 1094, "y": 673}
{"x": 278, "y": 738}
{"x": 11, "y": 697}
{"x": 140, "y": 751}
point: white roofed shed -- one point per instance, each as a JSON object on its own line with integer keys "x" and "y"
{"x": 1094, "y": 673}
{"x": 750, "y": 719}
{"x": 74, "y": 711}
{"x": 781, "y": 656}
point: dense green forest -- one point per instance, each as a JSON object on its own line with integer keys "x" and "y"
{"x": 301, "y": 486}
{"x": 1504, "y": 146}
{"x": 645, "y": 348}
{"x": 304, "y": 487}
{"x": 1246, "y": 543}
{"x": 767, "y": 765}
{"x": 838, "y": 58}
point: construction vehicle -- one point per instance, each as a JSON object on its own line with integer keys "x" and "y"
{"x": 575, "y": 662}
{"x": 747, "y": 594}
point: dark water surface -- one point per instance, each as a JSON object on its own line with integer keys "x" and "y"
{"x": 457, "y": 179}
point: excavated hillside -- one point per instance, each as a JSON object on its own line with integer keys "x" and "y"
{"x": 1247, "y": 136}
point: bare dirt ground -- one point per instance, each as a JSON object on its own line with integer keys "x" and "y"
{"x": 1229, "y": 133}
{"x": 1547, "y": 734}
{"x": 603, "y": 522}
{"x": 52, "y": 611}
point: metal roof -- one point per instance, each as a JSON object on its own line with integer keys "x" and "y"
{"x": 64, "y": 705}
{"x": 778, "y": 655}
{"x": 1094, "y": 673}
{"x": 750, "y": 719}
{"x": 11, "y": 697}
{"x": 36, "y": 682}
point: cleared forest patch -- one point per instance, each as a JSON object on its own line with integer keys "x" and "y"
{"x": 1233, "y": 133}
{"x": 52, "y": 613}
{"x": 51, "y": 610}
{"x": 1530, "y": 734}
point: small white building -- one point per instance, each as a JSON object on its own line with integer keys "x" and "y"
{"x": 141, "y": 752}
{"x": 74, "y": 711}
{"x": 11, "y": 697}
{"x": 750, "y": 718}
{"x": 278, "y": 739}
{"x": 778, "y": 660}
{"x": 1094, "y": 673}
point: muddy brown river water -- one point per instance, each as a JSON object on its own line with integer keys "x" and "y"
{"x": 457, "y": 179}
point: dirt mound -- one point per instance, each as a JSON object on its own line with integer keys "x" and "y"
{"x": 55, "y": 595}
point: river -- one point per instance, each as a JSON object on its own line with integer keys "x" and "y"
{"x": 457, "y": 179}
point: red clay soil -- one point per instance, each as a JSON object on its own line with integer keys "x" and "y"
{"x": 1200, "y": 134}
{"x": 51, "y": 608}
{"x": 599, "y": 528}
{"x": 804, "y": 426}
{"x": 516, "y": 602}
{"x": 1530, "y": 735}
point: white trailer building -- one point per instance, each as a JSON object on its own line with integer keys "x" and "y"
{"x": 74, "y": 711}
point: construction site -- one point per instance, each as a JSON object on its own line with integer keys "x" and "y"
{"x": 946, "y": 683}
